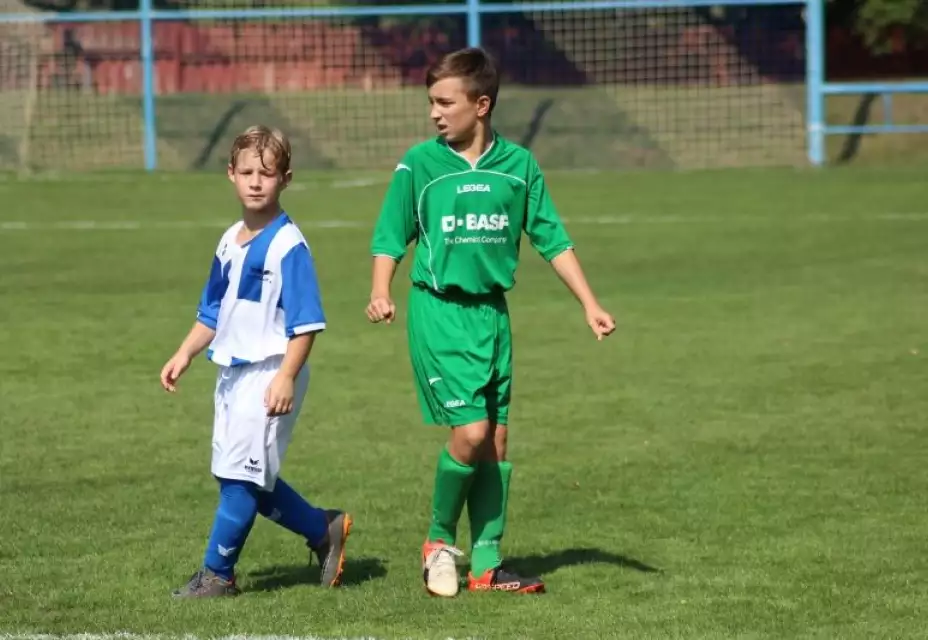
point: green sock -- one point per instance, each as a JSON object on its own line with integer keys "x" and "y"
{"x": 452, "y": 482}
{"x": 486, "y": 505}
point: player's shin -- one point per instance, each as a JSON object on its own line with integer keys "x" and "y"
{"x": 235, "y": 516}
{"x": 452, "y": 483}
{"x": 290, "y": 510}
{"x": 487, "y": 504}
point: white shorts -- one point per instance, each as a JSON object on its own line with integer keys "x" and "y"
{"x": 248, "y": 444}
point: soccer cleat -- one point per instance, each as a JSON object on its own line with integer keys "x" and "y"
{"x": 206, "y": 584}
{"x": 331, "y": 553}
{"x": 439, "y": 569}
{"x": 501, "y": 579}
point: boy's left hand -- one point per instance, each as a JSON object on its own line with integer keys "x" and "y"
{"x": 600, "y": 321}
{"x": 279, "y": 396}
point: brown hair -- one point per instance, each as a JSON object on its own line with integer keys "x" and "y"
{"x": 260, "y": 139}
{"x": 473, "y": 65}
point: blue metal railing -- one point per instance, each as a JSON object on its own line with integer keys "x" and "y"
{"x": 470, "y": 8}
{"x": 817, "y": 88}
{"x": 886, "y": 91}
{"x": 149, "y": 127}
{"x": 815, "y": 78}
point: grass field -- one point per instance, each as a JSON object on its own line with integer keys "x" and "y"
{"x": 744, "y": 458}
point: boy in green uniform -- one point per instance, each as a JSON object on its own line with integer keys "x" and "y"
{"x": 465, "y": 197}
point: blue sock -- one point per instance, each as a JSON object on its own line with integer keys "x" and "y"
{"x": 235, "y": 515}
{"x": 291, "y": 511}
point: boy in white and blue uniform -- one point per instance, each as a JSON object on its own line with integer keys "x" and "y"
{"x": 259, "y": 313}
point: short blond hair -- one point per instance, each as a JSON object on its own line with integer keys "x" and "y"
{"x": 260, "y": 138}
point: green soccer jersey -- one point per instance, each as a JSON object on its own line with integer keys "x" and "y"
{"x": 467, "y": 220}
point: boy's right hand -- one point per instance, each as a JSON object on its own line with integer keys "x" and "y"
{"x": 381, "y": 308}
{"x": 174, "y": 369}
{"x": 601, "y": 321}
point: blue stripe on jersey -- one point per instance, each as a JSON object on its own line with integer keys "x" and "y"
{"x": 252, "y": 279}
{"x": 299, "y": 294}
{"x": 213, "y": 292}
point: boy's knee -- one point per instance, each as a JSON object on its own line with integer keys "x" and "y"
{"x": 468, "y": 441}
{"x": 494, "y": 446}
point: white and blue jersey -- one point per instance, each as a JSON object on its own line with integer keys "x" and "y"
{"x": 260, "y": 294}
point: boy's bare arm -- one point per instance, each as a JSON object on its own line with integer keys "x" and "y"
{"x": 197, "y": 339}
{"x": 382, "y": 276}
{"x": 567, "y": 266}
{"x": 278, "y": 397}
{"x": 571, "y": 273}
{"x": 381, "y": 306}
{"x": 298, "y": 350}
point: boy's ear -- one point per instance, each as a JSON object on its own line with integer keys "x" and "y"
{"x": 286, "y": 179}
{"x": 483, "y": 106}
{"x": 230, "y": 170}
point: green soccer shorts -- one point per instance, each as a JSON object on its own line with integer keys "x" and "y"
{"x": 461, "y": 353}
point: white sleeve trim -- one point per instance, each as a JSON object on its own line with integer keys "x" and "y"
{"x": 308, "y": 328}
{"x": 569, "y": 247}
{"x": 401, "y": 167}
{"x": 385, "y": 255}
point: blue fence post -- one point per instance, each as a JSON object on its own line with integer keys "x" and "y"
{"x": 149, "y": 135}
{"x": 815, "y": 79}
{"x": 473, "y": 23}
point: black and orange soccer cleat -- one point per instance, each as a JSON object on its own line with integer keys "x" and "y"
{"x": 502, "y": 579}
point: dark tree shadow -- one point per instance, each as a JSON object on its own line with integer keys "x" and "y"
{"x": 534, "y": 126}
{"x": 541, "y": 564}
{"x": 861, "y": 117}
{"x": 357, "y": 571}
{"x": 218, "y": 133}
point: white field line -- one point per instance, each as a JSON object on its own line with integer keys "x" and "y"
{"x": 164, "y": 225}
{"x": 177, "y": 225}
{"x": 90, "y": 178}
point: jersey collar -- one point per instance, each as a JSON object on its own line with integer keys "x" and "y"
{"x": 494, "y": 141}
{"x": 272, "y": 227}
